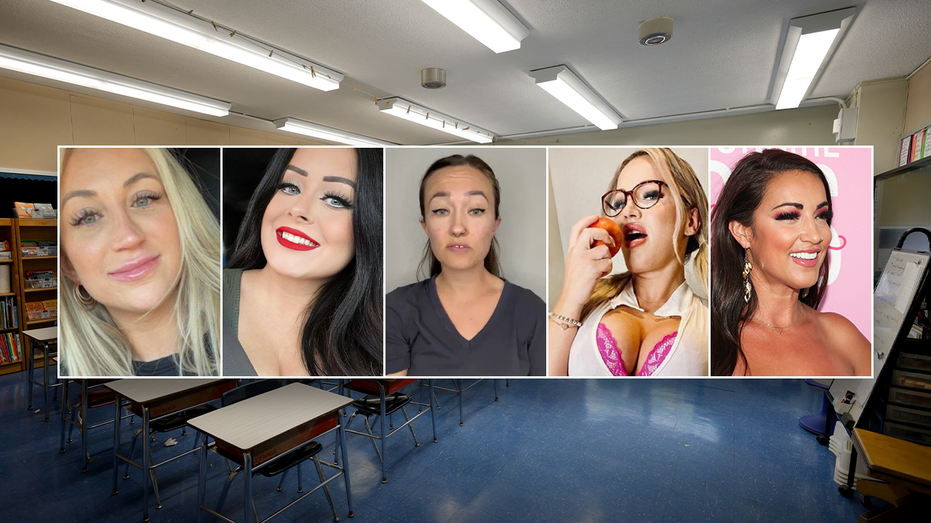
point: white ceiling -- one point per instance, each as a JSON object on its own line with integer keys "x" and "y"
{"x": 722, "y": 55}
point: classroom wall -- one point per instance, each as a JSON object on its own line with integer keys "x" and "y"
{"x": 918, "y": 106}
{"x": 806, "y": 126}
{"x": 880, "y": 118}
{"x": 36, "y": 119}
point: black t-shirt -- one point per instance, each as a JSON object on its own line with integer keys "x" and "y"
{"x": 420, "y": 337}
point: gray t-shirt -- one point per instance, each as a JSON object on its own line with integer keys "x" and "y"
{"x": 420, "y": 337}
{"x": 235, "y": 360}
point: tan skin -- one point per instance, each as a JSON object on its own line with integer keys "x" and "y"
{"x": 460, "y": 224}
{"x": 791, "y": 220}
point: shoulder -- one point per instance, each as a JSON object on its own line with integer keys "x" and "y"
{"x": 407, "y": 296}
{"x": 231, "y": 278}
{"x": 843, "y": 336}
{"x": 525, "y": 296}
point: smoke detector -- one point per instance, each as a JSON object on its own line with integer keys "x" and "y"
{"x": 656, "y": 31}
{"x": 433, "y": 78}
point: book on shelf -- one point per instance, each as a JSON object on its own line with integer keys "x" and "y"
{"x": 10, "y": 349}
{"x": 8, "y": 319}
{"x": 905, "y": 150}
{"x": 42, "y": 310}
{"x": 918, "y": 145}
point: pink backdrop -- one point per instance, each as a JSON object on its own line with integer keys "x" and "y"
{"x": 849, "y": 171}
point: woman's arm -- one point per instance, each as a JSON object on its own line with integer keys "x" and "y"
{"x": 584, "y": 265}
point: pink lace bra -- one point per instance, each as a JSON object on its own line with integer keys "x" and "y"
{"x": 611, "y": 355}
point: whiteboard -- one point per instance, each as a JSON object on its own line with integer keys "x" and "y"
{"x": 894, "y": 294}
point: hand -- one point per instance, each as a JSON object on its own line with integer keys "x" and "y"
{"x": 585, "y": 264}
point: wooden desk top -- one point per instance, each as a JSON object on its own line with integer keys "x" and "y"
{"x": 43, "y": 334}
{"x": 251, "y": 422}
{"x": 894, "y": 457}
{"x": 147, "y": 390}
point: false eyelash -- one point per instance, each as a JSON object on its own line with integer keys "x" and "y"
{"x": 826, "y": 215}
{"x": 288, "y": 185}
{"x": 81, "y": 216}
{"x": 154, "y": 196}
{"x": 344, "y": 200}
{"x": 788, "y": 216}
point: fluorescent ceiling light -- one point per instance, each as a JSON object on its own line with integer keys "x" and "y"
{"x": 55, "y": 69}
{"x": 410, "y": 111}
{"x": 327, "y": 133}
{"x": 809, "y": 42}
{"x": 560, "y": 82}
{"x": 485, "y": 20}
{"x": 179, "y": 27}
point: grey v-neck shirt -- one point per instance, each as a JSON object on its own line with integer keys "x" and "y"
{"x": 235, "y": 360}
{"x": 420, "y": 337}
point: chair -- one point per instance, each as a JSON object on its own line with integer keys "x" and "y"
{"x": 459, "y": 390}
{"x": 93, "y": 395}
{"x": 383, "y": 397}
{"x": 280, "y": 465}
{"x": 168, "y": 423}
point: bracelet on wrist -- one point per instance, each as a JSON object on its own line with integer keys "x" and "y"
{"x": 563, "y": 321}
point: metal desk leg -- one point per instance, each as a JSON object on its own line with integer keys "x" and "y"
{"x": 342, "y": 442}
{"x": 145, "y": 463}
{"x": 459, "y": 393}
{"x": 116, "y": 441}
{"x": 247, "y": 484}
{"x": 84, "y": 401}
{"x": 384, "y": 457}
{"x": 202, "y": 482}
{"x": 31, "y": 365}
{"x": 432, "y": 412}
{"x": 847, "y": 489}
{"x": 65, "y": 403}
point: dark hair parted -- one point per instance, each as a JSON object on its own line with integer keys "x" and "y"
{"x": 429, "y": 261}
{"x": 742, "y": 194}
{"x": 342, "y": 334}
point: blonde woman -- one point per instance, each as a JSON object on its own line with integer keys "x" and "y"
{"x": 140, "y": 271}
{"x": 648, "y": 321}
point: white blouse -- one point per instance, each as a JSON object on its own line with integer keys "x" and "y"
{"x": 688, "y": 355}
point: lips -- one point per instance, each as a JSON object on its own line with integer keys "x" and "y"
{"x": 135, "y": 269}
{"x": 806, "y": 258}
{"x": 295, "y": 240}
{"x": 458, "y": 247}
{"x": 634, "y": 235}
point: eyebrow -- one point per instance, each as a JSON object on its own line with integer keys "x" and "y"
{"x": 338, "y": 179}
{"x": 446, "y": 194}
{"x": 90, "y": 194}
{"x": 800, "y": 206}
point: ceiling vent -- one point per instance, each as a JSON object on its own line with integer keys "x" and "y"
{"x": 433, "y": 78}
{"x": 656, "y": 31}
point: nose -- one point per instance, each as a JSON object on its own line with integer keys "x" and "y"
{"x": 813, "y": 233}
{"x": 630, "y": 210}
{"x": 457, "y": 226}
{"x": 126, "y": 232}
{"x": 301, "y": 210}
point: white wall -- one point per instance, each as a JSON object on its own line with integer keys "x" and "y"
{"x": 521, "y": 173}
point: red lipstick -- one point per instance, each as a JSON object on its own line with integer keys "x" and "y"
{"x": 294, "y": 239}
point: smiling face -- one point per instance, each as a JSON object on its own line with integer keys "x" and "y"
{"x": 790, "y": 234}
{"x": 648, "y": 233}
{"x": 119, "y": 234}
{"x": 307, "y": 226}
{"x": 459, "y": 216}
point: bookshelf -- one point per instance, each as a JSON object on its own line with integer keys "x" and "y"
{"x": 34, "y": 230}
{"x": 10, "y": 332}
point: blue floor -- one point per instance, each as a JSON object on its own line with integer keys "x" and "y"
{"x": 549, "y": 450}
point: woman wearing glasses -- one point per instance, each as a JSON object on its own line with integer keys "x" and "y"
{"x": 647, "y": 321}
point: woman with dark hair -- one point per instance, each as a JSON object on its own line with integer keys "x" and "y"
{"x": 302, "y": 289}
{"x": 464, "y": 319}
{"x": 771, "y": 229}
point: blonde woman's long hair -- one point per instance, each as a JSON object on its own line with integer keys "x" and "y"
{"x": 92, "y": 344}
{"x": 687, "y": 193}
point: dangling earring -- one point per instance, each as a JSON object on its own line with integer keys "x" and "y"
{"x": 84, "y": 297}
{"x": 747, "y": 286}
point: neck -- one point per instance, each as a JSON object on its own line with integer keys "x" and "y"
{"x": 465, "y": 281}
{"x": 284, "y": 296}
{"x": 654, "y": 288}
{"x": 778, "y": 307}
{"x": 152, "y": 335}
